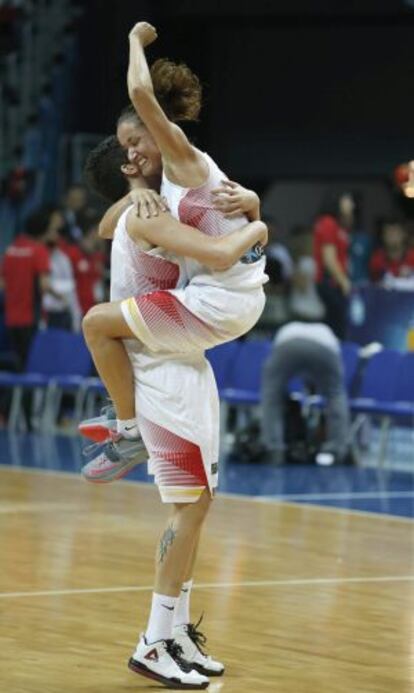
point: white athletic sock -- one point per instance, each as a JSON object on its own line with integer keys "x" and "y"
{"x": 182, "y": 611}
{"x": 160, "y": 624}
{"x": 128, "y": 427}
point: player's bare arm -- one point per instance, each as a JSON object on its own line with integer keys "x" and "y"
{"x": 177, "y": 152}
{"x": 147, "y": 202}
{"x": 217, "y": 253}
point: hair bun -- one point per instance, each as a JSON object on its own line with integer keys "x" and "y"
{"x": 177, "y": 89}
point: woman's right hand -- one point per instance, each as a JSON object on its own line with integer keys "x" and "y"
{"x": 232, "y": 199}
{"x": 145, "y": 32}
{"x": 148, "y": 203}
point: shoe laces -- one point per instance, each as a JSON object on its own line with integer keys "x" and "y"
{"x": 197, "y": 637}
{"x": 90, "y": 449}
{"x": 176, "y": 652}
{"x": 108, "y": 448}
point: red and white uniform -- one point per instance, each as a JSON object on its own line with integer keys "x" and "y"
{"x": 176, "y": 394}
{"x": 178, "y": 308}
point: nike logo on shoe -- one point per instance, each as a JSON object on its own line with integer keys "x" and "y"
{"x": 170, "y": 608}
{"x": 128, "y": 428}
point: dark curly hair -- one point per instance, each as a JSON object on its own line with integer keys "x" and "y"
{"x": 102, "y": 171}
{"x": 178, "y": 91}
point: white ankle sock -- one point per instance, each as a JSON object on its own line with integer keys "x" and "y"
{"x": 128, "y": 427}
{"x": 160, "y": 624}
{"x": 182, "y": 611}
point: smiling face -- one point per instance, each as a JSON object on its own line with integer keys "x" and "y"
{"x": 141, "y": 147}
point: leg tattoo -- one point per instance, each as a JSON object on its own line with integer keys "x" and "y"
{"x": 166, "y": 541}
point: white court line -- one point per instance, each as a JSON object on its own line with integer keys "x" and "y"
{"x": 218, "y": 585}
{"x": 343, "y": 496}
{"x": 230, "y": 496}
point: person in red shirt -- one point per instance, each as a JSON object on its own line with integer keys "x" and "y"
{"x": 395, "y": 257}
{"x": 25, "y": 277}
{"x": 88, "y": 262}
{"x": 330, "y": 249}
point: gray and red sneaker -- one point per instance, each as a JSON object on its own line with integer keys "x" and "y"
{"x": 113, "y": 459}
{"x": 100, "y": 427}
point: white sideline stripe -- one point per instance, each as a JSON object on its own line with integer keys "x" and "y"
{"x": 230, "y": 496}
{"x": 343, "y": 496}
{"x": 217, "y": 585}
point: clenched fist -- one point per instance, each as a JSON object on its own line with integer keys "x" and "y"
{"x": 145, "y": 32}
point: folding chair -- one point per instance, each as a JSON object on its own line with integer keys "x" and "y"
{"x": 378, "y": 396}
{"x": 58, "y": 361}
{"x": 243, "y": 391}
{"x": 221, "y": 359}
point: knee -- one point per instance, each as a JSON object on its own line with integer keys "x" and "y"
{"x": 92, "y": 323}
{"x": 193, "y": 514}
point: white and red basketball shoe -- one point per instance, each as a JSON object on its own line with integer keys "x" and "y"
{"x": 192, "y": 642}
{"x": 162, "y": 661}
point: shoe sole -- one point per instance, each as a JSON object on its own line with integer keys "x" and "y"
{"x": 139, "y": 668}
{"x": 113, "y": 475}
{"x": 96, "y": 432}
{"x": 206, "y": 672}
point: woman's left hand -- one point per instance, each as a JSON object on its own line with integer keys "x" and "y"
{"x": 232, "y": 199}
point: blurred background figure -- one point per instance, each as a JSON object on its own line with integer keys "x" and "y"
{"x": 74, "y": 208}
{"x": 279, "y": 268}
{"x": 304, "y": 301}
{"x": 310, "y": 352}
{"x": 60, "y": 304}
{"x": 394, "y": 258}
{"x": 332, "y": 230}
{"x": 88, "y": 258}
{"x": 26, "y": 278}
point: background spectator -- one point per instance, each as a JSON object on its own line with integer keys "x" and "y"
{"x": 61, "y": 305}
{"x": 74, "y": 209}
{"x": 304, "y": 300}
{"x": 331, "y": 253}
{"x": 26, "y": 276}
{"x": 394, "y": 258}
{"x": 309, "y": 351}
{"x": 279, "y": 268}
{"x": 88, "y": 260}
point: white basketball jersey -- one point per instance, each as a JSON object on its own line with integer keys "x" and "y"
{"x": 135, "y": 271}
{"x": 194, "y": 206}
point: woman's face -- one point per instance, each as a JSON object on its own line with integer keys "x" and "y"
{"x": 141, "y": 147}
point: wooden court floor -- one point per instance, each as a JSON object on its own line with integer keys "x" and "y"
{"x": 296, "y": 599}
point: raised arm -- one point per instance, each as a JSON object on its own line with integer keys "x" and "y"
{"x": 217, "y": 253}
{"x": 171, "y": 140}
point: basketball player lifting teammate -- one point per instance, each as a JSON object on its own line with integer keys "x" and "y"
{"x": 216, "y": 306}
{"x": 174, "y": 457}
